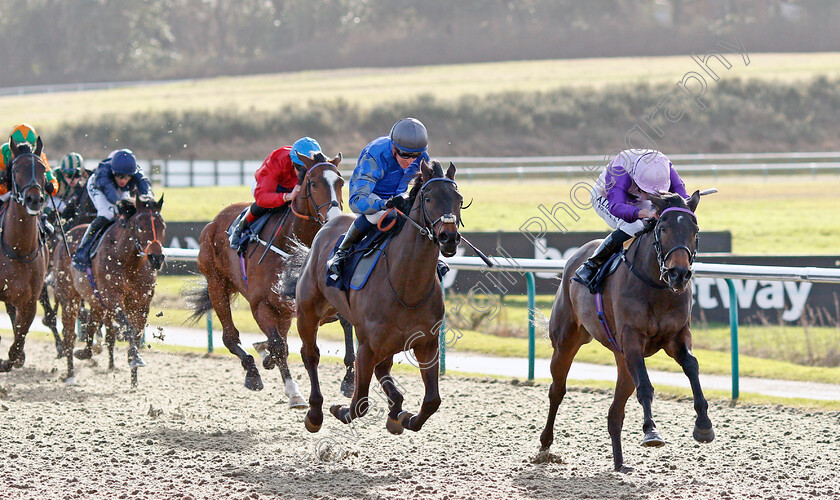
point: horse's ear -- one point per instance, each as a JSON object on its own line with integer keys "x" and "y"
{"x": 658, "y": 202}
{"x": 137, "y": 199}
{"x": 335, "y": 161}
{"x": 307, "y": 161}
{"x": 450, "y": 172}
{"x": 39, "y": 145}
{"x": 159, "y": 203}
{"x": 425, "y": 171}
{"x": 693, "y": 201}
{"x": 437, "y": 169}
{"x": 13, "y": 147}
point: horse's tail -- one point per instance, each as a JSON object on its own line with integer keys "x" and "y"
{"x": 197, "y": 295}
{"x": 289, "y": 276}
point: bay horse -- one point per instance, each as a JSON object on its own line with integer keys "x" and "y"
{"x": 254, "y": 274}
{"x": 23, "y": 254}
{"x": 647, "y": 304}
{"x": 400, "y": 308}
{"x": 120, "y": 283}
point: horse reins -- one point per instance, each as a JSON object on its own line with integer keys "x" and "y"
{"x": 308, "y": 196}
{"x": 144, "y": 252}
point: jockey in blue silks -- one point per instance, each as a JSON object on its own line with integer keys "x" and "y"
{"x": 621, "y": 198}
{"x": 112, "y": 182}
{"x": 380, "y": 180}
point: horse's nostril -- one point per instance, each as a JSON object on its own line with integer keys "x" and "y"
{"x": 444, "y": 237}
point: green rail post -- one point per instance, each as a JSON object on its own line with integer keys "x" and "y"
{"x": 209, "y": 331}
{"x": 529, "y": 278}
{"x": 442, "y": 334}
{"x": 733, "y": 329}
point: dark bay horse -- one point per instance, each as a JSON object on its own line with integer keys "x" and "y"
{"x": 254, "y": 276}
{"x": 23, "y": 255}
{"x": 120, "y": 285}
{"x": 647, "y": 304}
{"x": 400, "y": 308}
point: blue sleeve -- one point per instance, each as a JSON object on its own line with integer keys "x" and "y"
{"x": 364, "y": 179}
{"x": 105, "y": 184}
{"x": 409, "y": 175}
{"x": 142, "y": 183}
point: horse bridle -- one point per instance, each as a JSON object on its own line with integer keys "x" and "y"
{"x": 18, "y": 194}
{"x": 135, "y": 236}
{"x": 657, "y": 243}
{"x": 428, "y": 227}
{"x": 308, "y": 196}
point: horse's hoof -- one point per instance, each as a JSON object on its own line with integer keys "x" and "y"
{"x": 311, "y": 427}
{"x": 653, "y": 439}
{"x": 394, "y": 426}
{"x": 623, "y": 469}
{"x": 96, "y": 349}
{"x": 341, "y": 412}
{"x": 254, "y": 383}
{"x": 5, "y": 366}
{"x": 404, "y": 419}
{"x": 704, "y": 435}
{"x": 136, "y": 362}
{"x": 298, "y": 402}
{"x": 60, "y": 354}
{"x": 70, "y": 380}
{"x": 347, "y": 388}
{"x": 83, "y": 354}
{"x": 18, "y": 363}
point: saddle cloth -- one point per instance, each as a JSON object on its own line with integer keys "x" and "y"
{"x": 607, "y": 269}
{"x": 360, "y": 263}
{"x": 253, "y": 230}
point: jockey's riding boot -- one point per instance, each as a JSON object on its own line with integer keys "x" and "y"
{"x": 352, "y": 237}
{"x": 236, "y": 235}
{"x": 81, "y": 259}
{"x": 585, "y": 274}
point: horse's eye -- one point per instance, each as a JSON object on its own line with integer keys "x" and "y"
{"x": 427, "y": 199}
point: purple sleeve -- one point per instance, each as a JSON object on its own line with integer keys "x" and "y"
{"x": 677, "y": 185}
{"x": 619, "y": 182}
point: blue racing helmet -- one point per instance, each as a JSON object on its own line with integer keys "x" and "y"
{"x": 307, "y": 147}
{"x": 123, "y": 162}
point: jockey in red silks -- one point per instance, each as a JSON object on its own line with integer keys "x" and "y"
{"x": 277, "y": 182}
{"x": 621, "y": 198}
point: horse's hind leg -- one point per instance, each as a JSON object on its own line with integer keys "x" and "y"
{"x": 348, "y": 383}
{"x": 568, "y": 342}
{"x": 272, "y": 322}
{"x": 69, "y": 311}
{"x": 635, "y": 362}
{"x": 220, "y": 299}
{"x": 50, "y": 319}
{"x": 624, "y": 388}
{"x": 681, "y": 352}
{"x": 90, "y": 325}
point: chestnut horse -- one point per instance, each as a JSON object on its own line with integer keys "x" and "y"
{"x": 23, "y": 254}
{"x": 319, "y": 200}
{"x": 400, "y": 308}
{"x": 120, "y": 285}
{"x": 647, "y": 304}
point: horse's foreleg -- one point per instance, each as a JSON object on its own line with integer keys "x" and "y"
{"x": 624, "y": 388}
{"x": 360, "y": 403}
{"x": 111, "y": 339}
{"x": 635, "y": 362}
{"x": 347, "y": 384}
{"x": 427, "y": 358}
{"x": 23, "y": 317}
{"x": 69, "y": 311}
{"x": 311, "y": 355}
{"x": 393, "y": 395}
{"x": 90, "y": 320}
{"x": 703, "y": 431}
{"x": 135, "y": 361}
{"x": 50, "y": 319}
{"x": 568, "y": 344}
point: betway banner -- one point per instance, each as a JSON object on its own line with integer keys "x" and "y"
{"x": 771, "y": 301}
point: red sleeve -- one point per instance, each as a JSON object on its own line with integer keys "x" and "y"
{"x": 275, "y": 177}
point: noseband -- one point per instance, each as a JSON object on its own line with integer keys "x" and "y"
{"x": 657, "y": 244}
{"x": 18, "y": 193}
{"x": 308, "y": 196}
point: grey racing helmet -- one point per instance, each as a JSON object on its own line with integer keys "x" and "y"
{"x": 410, "y": 136}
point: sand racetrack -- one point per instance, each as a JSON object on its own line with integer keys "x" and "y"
{"x": 192, "y": 430}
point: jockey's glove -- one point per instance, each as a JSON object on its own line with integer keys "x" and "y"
{"x": 399, "y": 201}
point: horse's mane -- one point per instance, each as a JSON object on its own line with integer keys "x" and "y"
{"x": 301, "y": 171}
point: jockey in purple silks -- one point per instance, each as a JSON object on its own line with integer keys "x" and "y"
{"x": 620, "y": 197}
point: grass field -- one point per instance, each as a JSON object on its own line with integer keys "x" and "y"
{"x": 365, "y": 87}
{"x": 777, "y": 216}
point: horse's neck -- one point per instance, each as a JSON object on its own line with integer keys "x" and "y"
{"x": 126, "y": 251}
{"x": 20, "y": 230}
{"x": 412, "y": 262}
{"x": 302, "y": 229}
